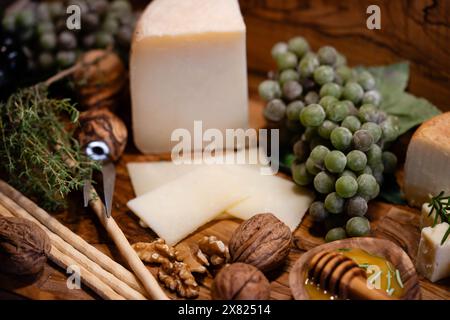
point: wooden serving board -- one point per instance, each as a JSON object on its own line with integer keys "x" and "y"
{"x": 399, "y": 224}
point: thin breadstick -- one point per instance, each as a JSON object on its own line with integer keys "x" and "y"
{"x": 86, "y": 276}
{"x": 116, "y": 284}
{"x": 73, "y": 239}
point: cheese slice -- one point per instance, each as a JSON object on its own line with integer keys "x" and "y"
{"x": 188, "y": 63}
{"x": 427, "y": 165}
{"x": 179, "y": 207}
{"x": 433, "y": 259}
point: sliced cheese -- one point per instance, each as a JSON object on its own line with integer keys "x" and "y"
{"x": 179, "y": 207}
{"x": 433, "y": 259}
{"x": 188, "y": 63}
{"x": 427, "y": 165}
{"x": 265, "y": 193}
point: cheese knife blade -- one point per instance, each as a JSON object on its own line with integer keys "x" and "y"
{"x": 109, "y": 180}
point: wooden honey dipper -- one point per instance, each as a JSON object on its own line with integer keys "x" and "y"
{"x": 340, "y": 275}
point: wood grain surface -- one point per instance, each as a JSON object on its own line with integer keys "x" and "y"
{"x": 400, "y": 224}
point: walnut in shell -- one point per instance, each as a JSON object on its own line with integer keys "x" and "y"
{"x": 240, "y": 281}
{"x": 24, "y": 246}
{"x": 262, "y": 241}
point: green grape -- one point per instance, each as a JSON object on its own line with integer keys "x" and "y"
{"x": 67, "y": 40}
{"x": 323, "y": 74}
{"x": 275, "y": 110}
{"x": 299, "y": 46}
{"x": 374, "y": 130}
{"x": 44, "y": 27}
{"x": 287, "y": 60}
{"x": 318, "y": 154}
{"x": 300, "y": 175}
{"x": 353, "y": 92}
{"x": 9, "y": 22}
{"x": 327, "y": 55}
{"x": 288, "y": 75}
{"x": 25, "y": 19}
{"x": 368, "y": 187}
{"x": 292, "y": 90}
{"x": 47, "y": 41}
{"x": 352, "y": 110}
{"x": 368, "y": 113}
{"x": 331, "y": 89}
{"x": 103, "y": 39}
{"x": 390, "y": 131}
{"x": 325, "y": 129}
{"x": 293, "y": 110}
{"x": 110, "y": 26}
{"x": 312, "y": 115}
{"x": 301, "y": 150}
{"x": 389, "y": 161}
{"x": 346, "y": 186}
{"x": 348, "y": 173}
{"x": 337, "y": 111}
{"x": 335, "y": 161}
{"x": 341, "y": 138}
{"x": 334, "y": 203}
{"x": 99, "y": 6}
{"x": 372, "y": 97}
{"x": 278, "y": 49}
{"x": 366, "y": 80}
{"x": 311, "y": 97}
{"x": 307, "y": 65}
{"x": 356, "y": 160}
{"x": 362, "y": 140}
{"x": 356, "y": 207}
{"x": 352, "y": 123}
{"x": 335, "y": 234}
{"x": 377, "y": 172}
{"x": 374, "y": 156}
{"x": 317, "y": 211}
{"x": 344, "y": 73}
{"x": 312, "y": 167}
{"x": 327, "y": 101}
{"x": 366, "y": 170}
{"x": 310, "y": 133}
{"x": 56, "y": 9}
{"x": 269, "y": 90}
{"x": 66, "y": 58}
{"x": 46, "y": 60}
{"x": 340, "y": 61}
{"x": 324, "y": 182}
{"x": 357, "y": 227}
{"x": 43, "y": 12}
{"x": 120, "y": 6}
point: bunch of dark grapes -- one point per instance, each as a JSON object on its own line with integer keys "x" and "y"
{"x": 337, "y": 133}
{"x": 41, "y": 28}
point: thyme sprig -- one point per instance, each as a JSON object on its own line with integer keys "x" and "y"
{"x": 441, "y": 205}
{"x": 36, "y": 139}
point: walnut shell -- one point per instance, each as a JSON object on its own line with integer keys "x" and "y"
{"x": 24, "y": 246}
{"x": 103, "y": 125}
{"x": 262, "y": 241}
{"x": 240, "y": 281}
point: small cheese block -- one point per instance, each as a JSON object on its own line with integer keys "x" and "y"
{"x": 427, "y": 165}
{"x": 433, "y": 259}
{"x": 179, "y": 207}
{"x": 427, "y": 219}
{"x": 188, "y": 63}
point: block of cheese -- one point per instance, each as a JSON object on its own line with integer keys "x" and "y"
{"x": 265, "y": 193}
{"x": 427, "y": 165}
{"x": 433, "y": 258}
{"x": 427, "y": 219}
{"x": 188, "y": 63}
{"x": 179, "y": 207}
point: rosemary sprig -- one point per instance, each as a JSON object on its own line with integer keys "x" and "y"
{"x": 441, "y": 205}
{"x": 36, "y": 138}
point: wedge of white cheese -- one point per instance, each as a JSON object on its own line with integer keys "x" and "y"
{"x": 179, "y": 207}
{"x": 188, "y": 63}
{"x": 433, "y": 258}
{"x": 427, "y": 165}
{"x": 427, "y": 219}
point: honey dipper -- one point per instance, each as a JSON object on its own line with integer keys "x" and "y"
{"x": 340, "y": 275}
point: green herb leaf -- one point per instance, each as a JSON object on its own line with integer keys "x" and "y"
{"x": 392, "y": 81}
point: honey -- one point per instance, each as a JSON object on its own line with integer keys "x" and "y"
{"x": 380, "y": 272}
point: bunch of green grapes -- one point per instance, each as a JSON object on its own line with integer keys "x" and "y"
{"x": 339, "y": 134}
{"x": 47, "y": 42}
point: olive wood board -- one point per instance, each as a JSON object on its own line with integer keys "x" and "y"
{"x": 399, "y": 224}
